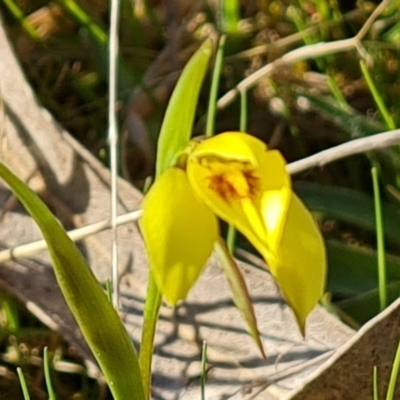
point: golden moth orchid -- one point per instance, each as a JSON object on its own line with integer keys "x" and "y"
{"x": 235, "y": 177}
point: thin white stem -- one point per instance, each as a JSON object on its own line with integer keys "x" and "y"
{"x": 378, "y": 141}
{"x": 113, "y": 142}
{"x": 30, "y": 249}
{"x": 304, "y": 53}
{"x": 371, "y": 19}
{"x": 357, "y": 146}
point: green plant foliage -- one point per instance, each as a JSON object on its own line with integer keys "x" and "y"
{"x": 394, "y": 375}
{"x": 177, "y": 125}
{"x": 22, "y": 382}
{"x": 175, "y": 133}
{"x": 230, "y": 17}
{"x": 47, "y": 374}
{"x": 127, "y": 78}
{"x": 350, "y": 120}
{"x": 97, "y": 319}
{"x": 203, "y": 376}
{"x": 366, "y": 306}
{"x": 240, "y": 294}
{"x": 216, "y": 76}
{"x": 352, "y": 269}
{"x": 351, "y": 206}
{"x": 387, "y": 118}
{"x": 99, "y": 40}
{"x": 358, "y": 99}
{"x": 18, "y": 14}
{"x": 380, "y": 240}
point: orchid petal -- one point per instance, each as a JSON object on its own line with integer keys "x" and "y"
{"x": 179, "y": 232}
{"x": 235, "y": 175}
{"x": 248, "y": 186}
{"x": 299, "y": 265}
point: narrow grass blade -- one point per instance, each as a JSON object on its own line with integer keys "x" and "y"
{"x": 19, "y": 15}
{"x": 375, "y": 383}
{"x": 392, "y": 35}
{"x": 393, "y": 375}
{"x": 212, "y": 102}
{"x": 336, "y": 92}
{"x": 150, "y": 316}
{"x": 230, "y": 16}
{"x": 109, "y": 291}
{"x": 22, "y": 382}
{"x": 84, "y": 20}
{"x": 380, "y": 239}
{"x": 11, "y": 313}
{"x": 347, "y": 118}
{"x": 377, "y": 96}
{"x": 239, "y": 290}
{"x": 177, "y": 126}
{"x": 203, "y": 376}
{"x": 231, "y": 236}
{"x": 97, "y": 319}
{"x": 243, "y": 111}
{"x": 47, "y": 375}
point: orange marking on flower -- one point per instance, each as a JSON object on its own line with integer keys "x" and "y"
{"x": 222, "y": 186}
{"x": 231, "y": 180}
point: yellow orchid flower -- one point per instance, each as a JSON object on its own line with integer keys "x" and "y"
{"x": 299, "y": 261}
{"x": 248, "y": 186}
{"x": 244, "y": 184}
{"x": 234, "y": 176}
{"x": 179, "y": 232}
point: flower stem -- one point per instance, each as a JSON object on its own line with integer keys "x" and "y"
{"x": 150, "y": 317}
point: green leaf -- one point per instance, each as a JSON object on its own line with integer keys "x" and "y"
{"x": 352, "y": 270}
{"x": 216, "y": 77}
{"x": 240, "y": 294}
{"x": 380, "y": 239}
{"x": 19, "y": 15}
{"x": 150, "y": 317}
{"x": 394, "y": 375}
{"x": 364, "y": 307}
{"x": 353, "y": 123}
{"x": 177, "y": 126}
{"x": 350, "y": 206}
{"x": 392, "y": 35}
{"x": 97, "y": 319}
{"x": 47, "y": 375}
{"x": 230, "y": 16}
{"x": 376, "y": 95}
{"x": 347, "y": 118}
{"x": 175, "y": 133}
{"x": 23, "y": 384}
